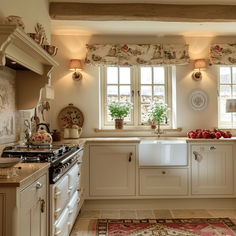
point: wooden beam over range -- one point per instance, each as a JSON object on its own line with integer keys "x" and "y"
{"x": 142, "y": 12}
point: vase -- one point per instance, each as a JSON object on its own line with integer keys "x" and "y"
{"x": 119, "y": 123}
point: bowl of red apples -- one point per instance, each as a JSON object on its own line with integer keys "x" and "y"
{"x": 208, "y": 134}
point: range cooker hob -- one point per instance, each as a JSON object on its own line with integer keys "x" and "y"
{"x": 61, "y": 158}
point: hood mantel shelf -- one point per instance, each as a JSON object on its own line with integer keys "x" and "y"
{"x": 17, "y": 46}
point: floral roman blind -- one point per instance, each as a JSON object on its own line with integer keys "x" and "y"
{"x": 137, "y": 54}
{"x": 223, "y": 54}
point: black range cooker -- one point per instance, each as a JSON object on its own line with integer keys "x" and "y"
{"x": 61, "y": 157}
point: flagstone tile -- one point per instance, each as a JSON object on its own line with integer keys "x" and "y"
{"x": 110, "y": 214}
{"x": 162, "y": 214}
{"x": 82, "y": 227}
{"x": 145, "y": 214}
{"x": 223, "y": 213}
{"x": 128, "y": 214}
{"x": 191, "y": 213}
{"x": 91, "y": 214}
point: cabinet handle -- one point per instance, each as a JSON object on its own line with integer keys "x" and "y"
{"x": 196, "y": 154}
{"x": 163, "y": 172}
{"x": 38, "y": 185}
{"x": 132, "y": 93}
{"x": 130, "y": 156}
{"x": 138, "y": 93}
{"x": 42, "y": 205}
{"x": 212, "y": 148}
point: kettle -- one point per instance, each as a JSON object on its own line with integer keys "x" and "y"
{"x": 42, "y": 136}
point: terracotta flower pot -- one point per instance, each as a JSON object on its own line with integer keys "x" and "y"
{"x": 119, "y": 123}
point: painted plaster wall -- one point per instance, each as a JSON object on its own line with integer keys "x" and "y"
{"x": 31, "y": 11}
{"x": 85, "y": 94}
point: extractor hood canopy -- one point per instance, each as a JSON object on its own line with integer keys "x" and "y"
{"x": 16, "y": 46}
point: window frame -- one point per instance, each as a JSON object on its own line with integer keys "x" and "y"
{"x": 135, "y": 79}
{"x": 221, "y": 124}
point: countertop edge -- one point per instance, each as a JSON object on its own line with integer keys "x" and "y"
{"x": 28, "y": 179}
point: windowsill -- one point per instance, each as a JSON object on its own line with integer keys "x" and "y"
{"x": 130, "y": 129}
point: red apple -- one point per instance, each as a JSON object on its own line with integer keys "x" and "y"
{"x": 218, "y": 135}
{"x": 228, "y": 134}
{"x": 193, "y": 135}
{"x": 199, "y": 135}
{"x": 213, "y": 134}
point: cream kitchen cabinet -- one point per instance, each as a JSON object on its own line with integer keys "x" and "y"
{"x": 33, "y": 208}
{"x": 24, "y": 201}
{"x": 112, "y": 170}
{"x": 212, "y": 169}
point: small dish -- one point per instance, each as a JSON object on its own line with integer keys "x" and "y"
{"x": 8, "y": 162}
{"x": 15, "y": 20}
{"x": 38, "y": 38}
{"x": 52, "y": 50}
{"x": 198, "y": 100}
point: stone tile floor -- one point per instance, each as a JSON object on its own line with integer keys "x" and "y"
{"x": 84, "y": 219}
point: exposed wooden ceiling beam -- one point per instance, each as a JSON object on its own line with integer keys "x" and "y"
{"x": 142, "y": 12}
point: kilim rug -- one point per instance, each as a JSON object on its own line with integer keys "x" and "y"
{"x": 163, "y": 227}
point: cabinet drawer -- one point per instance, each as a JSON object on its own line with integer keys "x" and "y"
{"x": 163, "y": 181}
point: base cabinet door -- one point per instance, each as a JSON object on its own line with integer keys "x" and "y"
{"x": 33, "y": 212}
{"x": 212, "y": 169}
{"x": 112, "y": 170}
{"x": 158, "y": 182}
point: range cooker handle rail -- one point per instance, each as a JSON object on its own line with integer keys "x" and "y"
{"x": 70, "y": 156}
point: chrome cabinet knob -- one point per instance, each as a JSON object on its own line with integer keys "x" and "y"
{"x": 38, "y": 185}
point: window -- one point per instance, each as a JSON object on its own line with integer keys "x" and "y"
{"x": 227, "y": 89}
{"x": 139, "y": 85}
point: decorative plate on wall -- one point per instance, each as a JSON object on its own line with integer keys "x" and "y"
{"x": 198, "y": 100}
{"x": 70, "y": 116}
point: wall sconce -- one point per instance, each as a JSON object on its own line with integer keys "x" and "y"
{"x": 198, "y": 64}
{"x": 76, "y": 66}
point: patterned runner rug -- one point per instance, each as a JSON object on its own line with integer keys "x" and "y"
{"x": 163, "y": 227}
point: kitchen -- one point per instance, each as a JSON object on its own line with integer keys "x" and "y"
{"x": 116, "y": 181}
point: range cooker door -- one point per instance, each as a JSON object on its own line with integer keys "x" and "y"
{"x": 73, "y": 179}
{"x": 73, "y": 209}
{"x": 61, "y": 195}
{"x": 61, "y": 225}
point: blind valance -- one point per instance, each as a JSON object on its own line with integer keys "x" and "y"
{"x": 137, "y": 54}
{"x": 223, "y": 54}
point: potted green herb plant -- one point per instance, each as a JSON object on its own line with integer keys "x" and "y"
{"x": 119, "y": 112}
{"x": 158, "y": 114}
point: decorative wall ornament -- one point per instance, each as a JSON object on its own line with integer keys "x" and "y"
{"x": 137, "y": 54}
{"x": 223, "y": 54}
{"x": 198, "y": 100}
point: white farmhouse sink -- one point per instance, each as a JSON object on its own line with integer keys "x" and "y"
{"x": 162, "y": 153}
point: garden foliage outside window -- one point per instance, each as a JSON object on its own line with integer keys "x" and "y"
{"x": 139, "y": 85}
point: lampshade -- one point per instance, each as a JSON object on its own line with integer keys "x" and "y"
{"x": 231, "y": 105}
{"x": 75, "y": 64}
{"x": 199, "y": 64}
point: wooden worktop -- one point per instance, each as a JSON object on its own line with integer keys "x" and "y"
{"x": 25, "y": 173}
